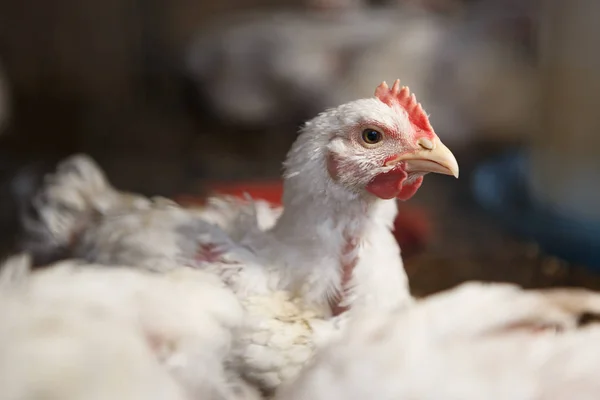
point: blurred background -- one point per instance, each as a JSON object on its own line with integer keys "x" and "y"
{"x": 174, "y": 97}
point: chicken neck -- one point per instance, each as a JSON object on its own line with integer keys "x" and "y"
{"x": 332, "y": 243}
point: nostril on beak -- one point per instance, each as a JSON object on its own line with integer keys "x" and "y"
{"x": 425, "y": 143}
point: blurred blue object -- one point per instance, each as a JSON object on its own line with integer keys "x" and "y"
{"x": 500, "y": 187}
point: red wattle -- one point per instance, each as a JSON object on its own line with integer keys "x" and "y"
{"x": 409, "y": 189}
{"x": 387, "y": 185}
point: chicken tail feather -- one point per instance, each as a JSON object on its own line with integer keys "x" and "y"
{"x": 69, "y": 200}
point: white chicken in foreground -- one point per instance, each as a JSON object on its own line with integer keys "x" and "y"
{"x": 331, "y": 247}
{"x": 75, "y": 331}
{"x": 477, "y": 341}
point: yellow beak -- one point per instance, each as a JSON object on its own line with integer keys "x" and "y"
{"x": 433, "y": 156}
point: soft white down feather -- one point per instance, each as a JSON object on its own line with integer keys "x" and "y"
{"x": 81, "y": 331}
{"x": 476, "y": 341}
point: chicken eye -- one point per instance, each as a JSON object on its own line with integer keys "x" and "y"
{"x": 371, "y": 136}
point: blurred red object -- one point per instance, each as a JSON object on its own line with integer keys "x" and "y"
{"x": 412, "y": 227}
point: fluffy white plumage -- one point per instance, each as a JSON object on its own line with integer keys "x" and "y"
{"x": 77, "y": 331}
{"x": 476, "y": 341}
{"x": 82, "y": 331}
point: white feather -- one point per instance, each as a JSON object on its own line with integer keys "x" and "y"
{"x": 477, "y": 341}
{"x": 73, "y": 329}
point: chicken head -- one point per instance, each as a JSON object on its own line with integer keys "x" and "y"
{"x": 384, "y": 145}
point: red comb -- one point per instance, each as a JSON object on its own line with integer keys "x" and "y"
{"x": 405, "y": 99}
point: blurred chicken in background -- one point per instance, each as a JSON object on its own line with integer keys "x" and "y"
{"x": 468, "y": 63}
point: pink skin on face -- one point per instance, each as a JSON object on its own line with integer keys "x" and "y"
{"x": 387, "y": 185}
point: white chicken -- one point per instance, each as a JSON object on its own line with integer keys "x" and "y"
{"x": 476, "y": 341}
{"x": 329, "y": 249}
{"x": 76, "y": 331}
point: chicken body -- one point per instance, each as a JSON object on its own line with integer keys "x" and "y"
{"x": 477, "y": 341}
{"x": 330, "y": 248}
{"x": 81, "y": 331}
